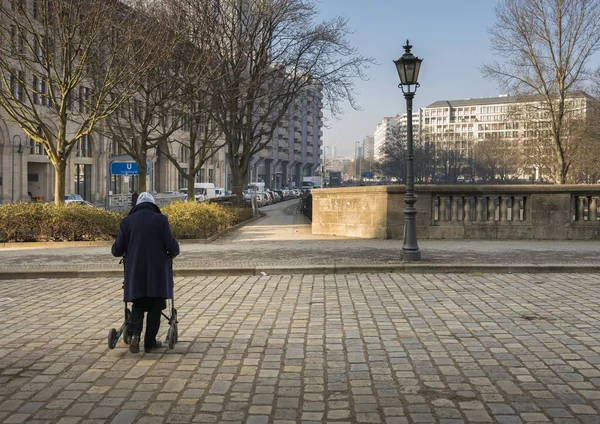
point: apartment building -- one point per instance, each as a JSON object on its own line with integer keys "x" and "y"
{"x": 26, "y": 172}
{"x": 383, "y": 134}
{"x": 296, "y": 149}
{"x": 460, "y": 124}
{"x": 368, "y": 144}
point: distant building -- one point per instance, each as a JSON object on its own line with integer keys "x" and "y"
{"x": 460, "y": 124}
{"x": 384, "y": 133}
{"x": 368, "y": 144}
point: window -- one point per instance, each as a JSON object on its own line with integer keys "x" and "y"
{"x": 13, "y": 85}
{"x": 184, "y": 154}
{"x": 84, "y": 147}
{"x": 44, "y": 93}
{"x": 35, "y": 88}
{"x": 83, "y": 180}
{"x": 22, "y": 39}
{"x": 86, "y": 97}
{"x": 21, "y": 87}
{"x": 12, "y": 41}
{"x": 80, "y": 99}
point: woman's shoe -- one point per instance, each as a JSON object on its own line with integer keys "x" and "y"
{"x": 157, "y": 344}
{"x": 134, "y": 344}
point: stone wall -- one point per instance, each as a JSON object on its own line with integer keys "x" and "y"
{"x": 541, "y": 212}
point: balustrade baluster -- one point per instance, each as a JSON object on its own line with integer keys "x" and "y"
{"x": 443, "y": 208}
{"x": 436, "y": 208}
{"x": 479, "y": 208}
{"x": 449, "y": 210}
{"x": 581, "y": 208}
{"x": 460, "y": 209}
{"x": 593, "y": 209}
{"x": 503, "y": 208}
{"x": 491, "y": 208}
{"x": 467, "y": 205}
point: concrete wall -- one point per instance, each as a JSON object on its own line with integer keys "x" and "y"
{"x": 542, "y": 212}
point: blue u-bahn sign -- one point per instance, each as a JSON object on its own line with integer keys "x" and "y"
{"x": 126, "y": 168}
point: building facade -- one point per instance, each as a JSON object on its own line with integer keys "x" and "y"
{"x": 296, "y": 149}
{"x": 513, "y": 121}
{"x": 384, "y": 133}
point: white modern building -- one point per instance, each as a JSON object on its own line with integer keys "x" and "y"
{"x": 383, "y": 134}
{"x": 368, "y": 144}
{"x": 513, "y": 118}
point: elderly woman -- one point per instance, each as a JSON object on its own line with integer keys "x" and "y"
{"x": 145, "y": 239}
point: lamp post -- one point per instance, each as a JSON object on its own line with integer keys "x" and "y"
{"x": 19, "y": 151}
{"x": 408, "y": 67}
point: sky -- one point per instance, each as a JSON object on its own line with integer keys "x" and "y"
{"x": 450, "y": 36}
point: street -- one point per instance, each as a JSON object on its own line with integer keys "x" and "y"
{"x": 367, "y": 348}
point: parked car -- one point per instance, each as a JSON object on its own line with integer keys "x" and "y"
{"x": 76, "y": 199}
{"x": 72, "y": 197}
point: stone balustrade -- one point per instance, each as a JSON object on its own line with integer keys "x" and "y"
{"x": 541, "y": 212}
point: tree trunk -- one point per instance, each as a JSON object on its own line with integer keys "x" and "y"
{"x": 142, "y": 186}
{"x": 191, "y": 195}
{"x": 238, "y": 177}
{"x": 60, "y": 182}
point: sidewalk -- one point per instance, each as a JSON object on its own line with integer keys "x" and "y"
{"x": 282, "y": 243}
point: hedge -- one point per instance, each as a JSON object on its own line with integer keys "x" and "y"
{"x": 193, "y": 220}
{"x": 28, "y": 221}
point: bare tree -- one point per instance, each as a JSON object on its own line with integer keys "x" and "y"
{"x": 155, "y": 113}
{"x": 59, "y": 62}
{"x": 270, "y": 53}
{"x": 494, "y": 157}
{"x": 546, "y": 46}
{"x": 194, "y": 22}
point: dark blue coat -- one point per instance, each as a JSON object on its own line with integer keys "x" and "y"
{"x": 145, "y": 239}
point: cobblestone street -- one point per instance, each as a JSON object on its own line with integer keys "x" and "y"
{"x": 328, "y": 348}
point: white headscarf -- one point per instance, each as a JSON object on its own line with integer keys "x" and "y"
{"x": 145, "y": 197}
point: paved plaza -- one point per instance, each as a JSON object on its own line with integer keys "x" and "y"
{"x": 370, "y": 348}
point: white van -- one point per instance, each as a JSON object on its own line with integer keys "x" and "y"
{"x": 204, "y": 191}
{"x": 219, "y": 191}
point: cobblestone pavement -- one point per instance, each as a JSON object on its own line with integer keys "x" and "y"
{"x": 369, "y": 348}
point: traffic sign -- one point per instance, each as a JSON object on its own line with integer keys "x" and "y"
{"x": 124, "y": 168}
{"x": 368, "y": 175}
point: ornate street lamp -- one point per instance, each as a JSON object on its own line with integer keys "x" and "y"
{"x": 408, "y": 67}
{"x": 19, "y": 151}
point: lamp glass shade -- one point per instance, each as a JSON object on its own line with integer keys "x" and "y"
{"x": 401, "y": 72}
{"x": 408, "y": 69}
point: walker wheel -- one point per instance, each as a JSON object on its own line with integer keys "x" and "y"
{"x": 126, "y": 336}
{"x": 171, "y": 336}
{"x": 112, "y": 338}
{"x": 176, "y": 333}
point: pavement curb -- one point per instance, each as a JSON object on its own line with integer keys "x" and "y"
{"x": 420, "y": 268}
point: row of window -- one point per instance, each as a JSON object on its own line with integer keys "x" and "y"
{"x": 41, "y": 95}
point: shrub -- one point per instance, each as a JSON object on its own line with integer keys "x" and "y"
{"x": 192, "y": 220}
{"x": 24, "y": 221}
{"x": 47, "y": 222}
